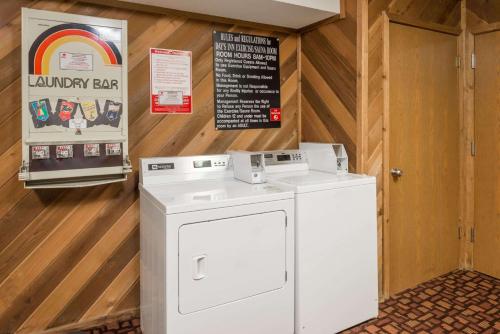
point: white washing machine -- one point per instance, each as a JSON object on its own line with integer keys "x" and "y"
{"x": 336, "y": 283}
{"x": 217, "y": 254}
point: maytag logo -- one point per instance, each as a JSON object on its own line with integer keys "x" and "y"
{"x": 163, "y": 166}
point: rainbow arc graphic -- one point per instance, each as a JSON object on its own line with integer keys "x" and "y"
{"x": 46, "y": 44}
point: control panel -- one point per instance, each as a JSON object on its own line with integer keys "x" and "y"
{"x": 209, "y": 163}
{"x": 284, "y": 157}
{"x": 168, "y": 169}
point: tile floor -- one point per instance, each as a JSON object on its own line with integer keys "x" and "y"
{"x": 459, "y": 302}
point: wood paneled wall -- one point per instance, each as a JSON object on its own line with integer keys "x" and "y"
{"x": 487, "y": 11}
{"x": 328, "y": 83}
{"x": 69, "y": 256}
{"x": 481, "y": 14}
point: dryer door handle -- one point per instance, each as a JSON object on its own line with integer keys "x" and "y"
{"x": 199, "y": 267}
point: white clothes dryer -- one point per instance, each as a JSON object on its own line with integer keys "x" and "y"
{"x": 217, "y": 254}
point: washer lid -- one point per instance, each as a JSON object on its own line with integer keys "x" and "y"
{"x": 209, "y": 194}
{"x": 310, "y": 180}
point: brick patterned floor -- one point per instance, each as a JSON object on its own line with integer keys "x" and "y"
{"x": 459, "y": 302}
{"x": 131, "y": 326}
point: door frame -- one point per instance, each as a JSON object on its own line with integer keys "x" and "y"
{"x": 467, "y": 137}
{"x": 469, "y": 95}
{"x": 387, "y": 20}
{"x": 485, "y": 28}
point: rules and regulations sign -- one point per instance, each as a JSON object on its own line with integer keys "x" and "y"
{"x": 171, "y": 85}
{"x": 247, "y": 81}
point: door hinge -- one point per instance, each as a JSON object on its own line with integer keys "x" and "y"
{"x": 460, "y": 233}
{"x": 473, "y": 148}
{"x": 286, "y": 276}
{"x": 286, "y": 221}
{"x": 472, "y": 234}
{"x": 473, "y": 60}
{"x": 458, "y": 60}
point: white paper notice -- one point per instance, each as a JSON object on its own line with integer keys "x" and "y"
{"x": 170, "y": 81}
{"x": 76, "y": 61}
{"x": 170, "y": 98}
{"x": 78, "y": 123}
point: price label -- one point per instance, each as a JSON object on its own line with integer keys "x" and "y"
{"x": 76, "y": 61}
{"x": 113, "y": 149}
{"x": 40, "y": 152}
{"x": 64, "y": 151}
{"x": 91, "y": 150}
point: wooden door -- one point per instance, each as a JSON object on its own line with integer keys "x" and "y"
{"x": 487, "y": 160}
{"x": 423, "y": 142}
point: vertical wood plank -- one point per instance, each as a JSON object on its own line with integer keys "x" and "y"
{"x": 466, "y": 95}
{"x": 299, "y": 87}
{"x": 362, "y": 86}
{"x": 386, "y": 151}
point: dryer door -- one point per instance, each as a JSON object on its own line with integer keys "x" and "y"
{"x": 227, "y": 260}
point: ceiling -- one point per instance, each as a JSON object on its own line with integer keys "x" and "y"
{"x": 294, "y": 14}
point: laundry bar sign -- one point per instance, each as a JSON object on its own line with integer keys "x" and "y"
{"x": 73, "y": 77}
{"x": 72, "y": 60}
{"x": 73, "y": 82}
